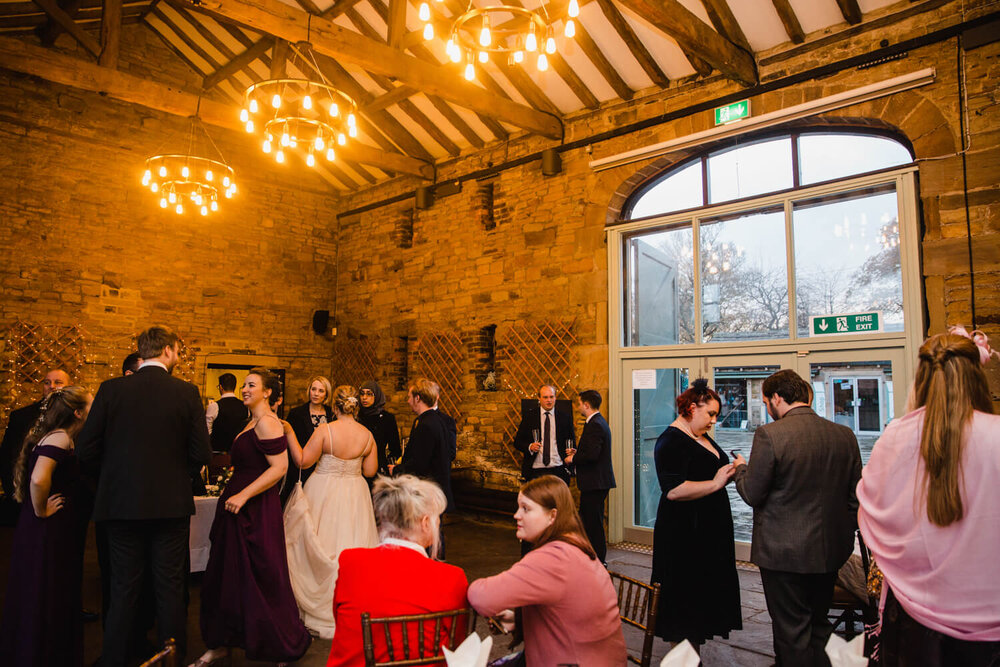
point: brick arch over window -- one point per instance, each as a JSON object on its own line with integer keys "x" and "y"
{"x": 908, "y": 117}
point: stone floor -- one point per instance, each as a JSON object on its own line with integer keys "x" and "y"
{"x": 481, "y": 548}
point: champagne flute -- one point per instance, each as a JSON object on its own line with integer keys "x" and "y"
{"x": 570, "y": 449}
{"x": 535, "y": 433}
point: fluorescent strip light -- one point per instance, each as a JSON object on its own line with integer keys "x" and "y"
{"x": 815, "y": 107}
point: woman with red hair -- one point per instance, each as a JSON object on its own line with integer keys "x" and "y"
{"x": 694, "y": 556}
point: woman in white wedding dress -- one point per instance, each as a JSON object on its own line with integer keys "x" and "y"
{"x": 332, "y": 511}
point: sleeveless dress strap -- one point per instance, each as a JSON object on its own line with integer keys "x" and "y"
{"x": 329, "y": 437}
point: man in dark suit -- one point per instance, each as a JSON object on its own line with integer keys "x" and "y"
{"x": 546, "y": 453}
{"x": 800, "y": 481}
{"x": 227, "y": 416}
{"x": 595, "y": 475}
{"x": 146, "y": 433}
{"x": 428, "y": 451}
{"x": 18, "y": 425}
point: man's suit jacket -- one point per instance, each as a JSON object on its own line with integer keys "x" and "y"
{"x": 18, "y": 425}
{"x": 391, "y": 580}
{"x": 594, "y": 471}
{"x": 146, "y": 432}
{"x": 532, "y": 419}
{"x": 801, "y": 481}
{"x": 428, "y": 452}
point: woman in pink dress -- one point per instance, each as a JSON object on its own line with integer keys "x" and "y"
{"x": 569, "y": 607}
{"x": 930, "y": 512}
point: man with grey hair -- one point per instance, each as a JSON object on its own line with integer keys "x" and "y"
{"x": 146, "y": 433}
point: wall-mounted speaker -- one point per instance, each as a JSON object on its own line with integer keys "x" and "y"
{"x": 424, "y": 197}
{"x": 321, "y": 322}
{"x": 551, "y": 162}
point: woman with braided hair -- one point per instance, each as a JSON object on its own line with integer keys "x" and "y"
{"x": 930, "y": 512}
{"x": 41, "y": 620}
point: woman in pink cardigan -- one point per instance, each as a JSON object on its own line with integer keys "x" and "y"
{"x": 569, "y": 608}
{"x": 930, "y": 512}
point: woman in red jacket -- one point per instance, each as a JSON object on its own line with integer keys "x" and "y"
{"x": 396, "y": 578}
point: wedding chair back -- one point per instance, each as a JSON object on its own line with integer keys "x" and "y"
{"x": 406, "y": 637}
{"x": 165, "y": 658}
{"x": 637, "y": 605}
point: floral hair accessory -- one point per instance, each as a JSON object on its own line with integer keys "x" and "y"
{"x": 351, "y": 400}
{"x": 980, "y": 339}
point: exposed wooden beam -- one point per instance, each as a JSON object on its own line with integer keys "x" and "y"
{"x": 396, "y": 25}
{"x": 279, "y": 58}
{"x": 408, "y": 107}
{"x": 206, "y": 34}
{"x": 19, "y": 56}
{"x": 51, "y": 30}
{"x": 607, "y": 70}
{"x": 193, "y": 45}
{"x": 347, "y": 46}
{"x": 338, "y": 8}
{"x": 309, "y": 6}
{"x": 725, "y": 22}
{"x": 789, "y": 20}
{"x": 690, "y": 32}
{"x": 238, "y": 63}
{"x": 851, "y": 11}
{"x": 111, "y": 33}
{"x": 388, "y": 99}
{"x": 56, "y": 13}
{"x": 634, "y": 44}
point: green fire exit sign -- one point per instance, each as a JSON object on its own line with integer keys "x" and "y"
{"x": 732, "y": 112}
{"x": 833, "y": 325}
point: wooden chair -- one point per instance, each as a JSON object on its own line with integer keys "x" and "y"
{"x": 847, "y": 609}
{"x": 419, "y": 654}
{"x": 637, "y": 606}
{"x": 166, "y": 658}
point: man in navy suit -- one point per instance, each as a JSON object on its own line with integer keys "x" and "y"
{"x": 595, "y": 475}
{"x": 146, "y": 433}
{"x": 545, "y": 453}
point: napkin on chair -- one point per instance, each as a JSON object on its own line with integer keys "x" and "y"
{"x": 682, "y": 655}
{"x": 846, "y": 654}
{"x": 471, "y": 653}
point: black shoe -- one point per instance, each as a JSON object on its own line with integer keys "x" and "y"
{"x": 89, "y": 616}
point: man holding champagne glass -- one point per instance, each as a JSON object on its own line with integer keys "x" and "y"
{"x": 545, "y": 436}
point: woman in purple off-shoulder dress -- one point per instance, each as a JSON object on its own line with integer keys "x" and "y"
{"x": 41, "y": 625}
{"x": 246, "y": 597}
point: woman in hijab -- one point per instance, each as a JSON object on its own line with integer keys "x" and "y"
{"x": 381, "y": 423}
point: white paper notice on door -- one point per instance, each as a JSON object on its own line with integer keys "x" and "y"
{"x": 644, "y": 378}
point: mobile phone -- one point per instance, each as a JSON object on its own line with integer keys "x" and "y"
{"x": 734, "y": 453}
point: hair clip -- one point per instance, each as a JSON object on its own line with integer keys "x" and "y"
{"x": 981, "y": 340}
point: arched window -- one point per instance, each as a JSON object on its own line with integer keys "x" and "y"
{"x": 763, "y": 166}
{"x": 746, "y": 226}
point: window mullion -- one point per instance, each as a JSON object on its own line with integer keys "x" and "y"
{"x": 696, "y": 272}
{"x": 793, "y": 324}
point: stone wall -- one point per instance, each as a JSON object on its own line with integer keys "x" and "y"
{"x": 83, "y": 243}
{"x": 522, "y": 247}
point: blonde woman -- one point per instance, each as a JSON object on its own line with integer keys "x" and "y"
{"x": 333, "y": 511}
{"x": 304, "y": 420}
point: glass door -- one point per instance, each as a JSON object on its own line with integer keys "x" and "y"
{"x": 857, "y": 388}
{"x": 738, "y": 381}
{"x": 652, "y": 387}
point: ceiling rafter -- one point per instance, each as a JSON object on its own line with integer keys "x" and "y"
{"x": 51, "y": 65}
{"x": 408, "y": 107}
{"x": 694, "y": 36}
{"x": 327, "y": 37}
{"x": 205, "y": 32}
{"x": 789, "y": 20}
{"x": 634, "y": 44}
{"x": 66, "y": 22}
{"x": 725, "y": 23}
{"x": 111, "y": 33}
{"x": 238, "y": 63}
{"x": 850, "y": 10}
{"x": 52, "y": 28}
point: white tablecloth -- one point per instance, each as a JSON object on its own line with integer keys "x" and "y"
{"x": 201, "y": 525}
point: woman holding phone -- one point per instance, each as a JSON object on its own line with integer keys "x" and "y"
{"x": 694, "y": 555}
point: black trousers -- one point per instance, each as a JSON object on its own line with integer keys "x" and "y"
{"x": 592, "y": 514}
{"x": 906, "y": 643}
{"x": 161, "y": 546}
{"x": 146, "y": 611}
{"x": 798, "y": 605}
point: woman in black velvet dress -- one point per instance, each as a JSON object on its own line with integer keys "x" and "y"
{"x": 694, "y": 557}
